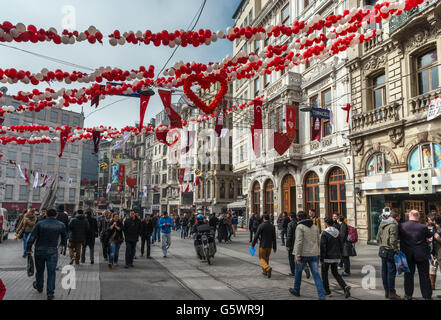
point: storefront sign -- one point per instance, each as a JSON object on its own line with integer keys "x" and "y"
{"x": 434, "y": 109}
{"x": 320, "y": 113}
{"x": 420, "y": 182}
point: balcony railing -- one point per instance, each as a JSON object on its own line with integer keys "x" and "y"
{"x": 379, "y": 116}
{"x": 397, "y": 21}
{"x": 373, "y": 43}
{"x": 420, "y": 104}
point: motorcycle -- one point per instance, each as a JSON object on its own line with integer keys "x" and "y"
{"x": 204, "y": 243}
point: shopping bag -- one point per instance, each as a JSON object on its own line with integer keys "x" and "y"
{"x": 401, "y": 263}
{"x": 252, "y": 250}
{"x": 30, "y": 267}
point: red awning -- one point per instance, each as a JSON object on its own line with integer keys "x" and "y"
{"x": 14, "y": 206}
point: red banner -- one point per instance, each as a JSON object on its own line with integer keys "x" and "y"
{"x": 316, "y": 129}
{"x": 175, "y": 118}
{"x": 142, "y": 108}
{"x": 291, "y": 122}
{"x": 255, "y": 137}
{"x": 121, "y": 173}
{"x": 181, "y": 175}
{"x": 258, "y": 114}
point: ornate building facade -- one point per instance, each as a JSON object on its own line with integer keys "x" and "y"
{"x": 393, "y": 79}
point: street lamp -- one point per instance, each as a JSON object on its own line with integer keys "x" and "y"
{"x": 148, "y": 92}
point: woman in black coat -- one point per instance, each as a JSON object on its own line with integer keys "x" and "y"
{"x": 348, "y": 248}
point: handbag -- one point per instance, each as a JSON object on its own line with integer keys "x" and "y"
{"x": 30, "y": 266}
{"x": 386, "y": 253}
{"x": 401, "y": 263}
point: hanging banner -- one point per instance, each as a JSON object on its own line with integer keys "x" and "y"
{"x": 115, "y": 171}
{"x": 258, "y": 114}
{"x": 35, "y": 180}
{"x": 434, "y": 109}
{"x": 109, "y": 185}
{"x": 175, "y": 118}
{"x": 189, "y": 142}
{"x": 121, "y": 143}
{"x": 142, "y": 108}
{"x": 291, "y": 122}
{"x": 121, "y": 173}
{"x": 182, "y": 175}
{"x": 320, "y": 113}
{"x": 145, "y": 191}
{"x": 316, "y": 129}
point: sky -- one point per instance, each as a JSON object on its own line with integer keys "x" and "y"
{"x": 106, "y": 16}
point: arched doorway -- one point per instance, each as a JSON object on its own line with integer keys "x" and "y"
{"x": 256, "y": 198}
{"x": 312, "y": 195}
{"x": 269, "y": 197}
{"x": 336, "y": 192}
{"x": 288, "y": 194}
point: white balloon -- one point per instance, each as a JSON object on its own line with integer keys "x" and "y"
{"x": 172, "y": 44}
{"x": 14, "y": 32}
{"x": 20, "y": 27}
{"x": 138, "y": 34}
{"x": 71, "y": 40}
{"x": 113, "y": 41}
{"x": 65, "y": 39}
{"x": 220, "y": 34}
{"x": 230, "y": 30}
{"x": 121, "y": 41}
{"x": 92, "y": 30}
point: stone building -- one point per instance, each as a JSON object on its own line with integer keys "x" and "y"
{"x": 42, "y": 158}
{"x": 310, "y": 174}
{"x": 89, "y": 176}
{"x": 393, "y": 79}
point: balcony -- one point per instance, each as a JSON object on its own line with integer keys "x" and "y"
{"x": 289, "y": 79}
{"x": 420, "y": 104}
{"x": 397, "y": 21}
{"x": 379, "y": 117}
{"x": 373, "y": 43}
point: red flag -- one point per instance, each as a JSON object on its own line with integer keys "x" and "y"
{"x": 175, "y": 118}
{"x": 257, "y": 114}
{"x": 26, "y": 176}
{"x": 121, "y": 173}
{"x": 196, "y": 182}
{"x": 291, "y": 122}
{"x": 63, "y": 139}
{"x": 182, "y": 174}
{"x": 96, "y": 140}
{"x": 142, "y": 108}
{"x": 95, "y": 101}
{"x": 316, "y": 129}
{"x": 190, "y": 140}
{"x": 187, "y": 188}
{"x": 348, "y": 110}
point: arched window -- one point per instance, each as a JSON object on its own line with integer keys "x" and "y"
{"x": 337, "y": 192}
{"x": 208, "y": 189}
{"x": 424, "y": 156}
{"x": 222, "y": 189}
{"x": 269, "y": 197}
{"x": 256, "y": 198}
{"x": 312, "y": 197}
{"x": 379, "y": 163}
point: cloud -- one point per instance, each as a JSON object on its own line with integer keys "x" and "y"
{"x": 107, "y": 16}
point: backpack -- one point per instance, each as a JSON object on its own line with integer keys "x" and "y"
{"x": 352, "y": 235}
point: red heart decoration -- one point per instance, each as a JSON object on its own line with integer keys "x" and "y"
{"x": 205, "y": 82}
{"x": 281, "y": 142}
{"x": 131, "y": 182}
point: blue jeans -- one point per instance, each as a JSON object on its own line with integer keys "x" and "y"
{"x": 313, "y": 265}
{"x": 156, "y": 235}
{"x": 230, "y": 232}
{"x": 114, "y": 251}
{"x": 166, "y": 241}
{"x": 183, "y": 232}
{"x": 46, "y": 257}
{"x": 26, "y": 236}
{"x": 283, "y": 234}
{"x": 130, "y": 252}
{"x": 388, "y": 273}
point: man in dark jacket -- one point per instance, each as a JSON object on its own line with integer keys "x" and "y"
{"x": 335, "y": 223}
{"x": 146, "y": 235}
{"x": 90, "y": 238}
{"x": 266, "y": 232}
{"x": 132, "y": 230}
{"x": 184, "y": 226}
{"x": 414, "y": 244}
{"x": 330, "y": 255}
{"x": 253, "y": 225}
{"x": 156, "y": 229}
{"x": 290, "y": 237}
{"x": 46, "y": 235}
{"x": 103, "y": 226}
{"x": 348, "y": 248}
{"x": 63, "y": 217}
{"x": 213, "y": 222}
{"x": 78, "y": 229}
{"x": 285, "y": 221}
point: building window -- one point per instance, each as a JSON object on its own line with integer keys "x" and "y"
{"x": 50, "y": 160}
{"x": 379, "y": 90}
{"x": 266, "y": 80}
{"x": 10, "y": 172}
{"x": 54, "y": 116}
{"x": 379, "y": 163}
{"x": 25, "y": 158}
{"x": 12, "y": 155}
{"x": 284, "y": 15}
{"x": 269, "y": 197}
{"x": 427, "y": 72}
{"x": 312, "y": 196}
{"x": 63, "y": 162}
{"x": 337, "y": 192}
{"x": 164, "y": 178}
{"x": 256, "y": 86}
{"x": 41, "y": 115}
{"x": 75, "y": 149}
{"x": 36, "y": 194}
{"x": 65, "y": 119}
{"x": 426, "y": 155}
{"x": 14, "y": 122}
{"x": 256, "y": 198}
{"x": 74, "y": 163}
{"x": 208, "y": 189}
{"x": 222, "y": 189}
{"x": 9, "y": 189}
{"x": 76, "y": 121}
{"x": 60, "y": 194}
{"x": 256, "y": 46}
{"x": 23, "y": 192}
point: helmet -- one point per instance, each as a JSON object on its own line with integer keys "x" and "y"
{"x": 200, "y": 218}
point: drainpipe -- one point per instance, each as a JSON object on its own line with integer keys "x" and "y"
{"x": 353, "y": 161}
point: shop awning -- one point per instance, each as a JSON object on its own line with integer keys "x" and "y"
{"x": 237, "y": 204}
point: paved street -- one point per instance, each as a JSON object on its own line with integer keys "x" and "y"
{"x": 234, "y": 275}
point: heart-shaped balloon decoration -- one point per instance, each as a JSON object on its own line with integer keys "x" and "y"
{"x": 205, "y": 82}
{"x": 131, "y": 182}
{"x": 281, "y": 142}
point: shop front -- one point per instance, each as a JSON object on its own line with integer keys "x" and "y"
{"x": 240, "y": 209}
